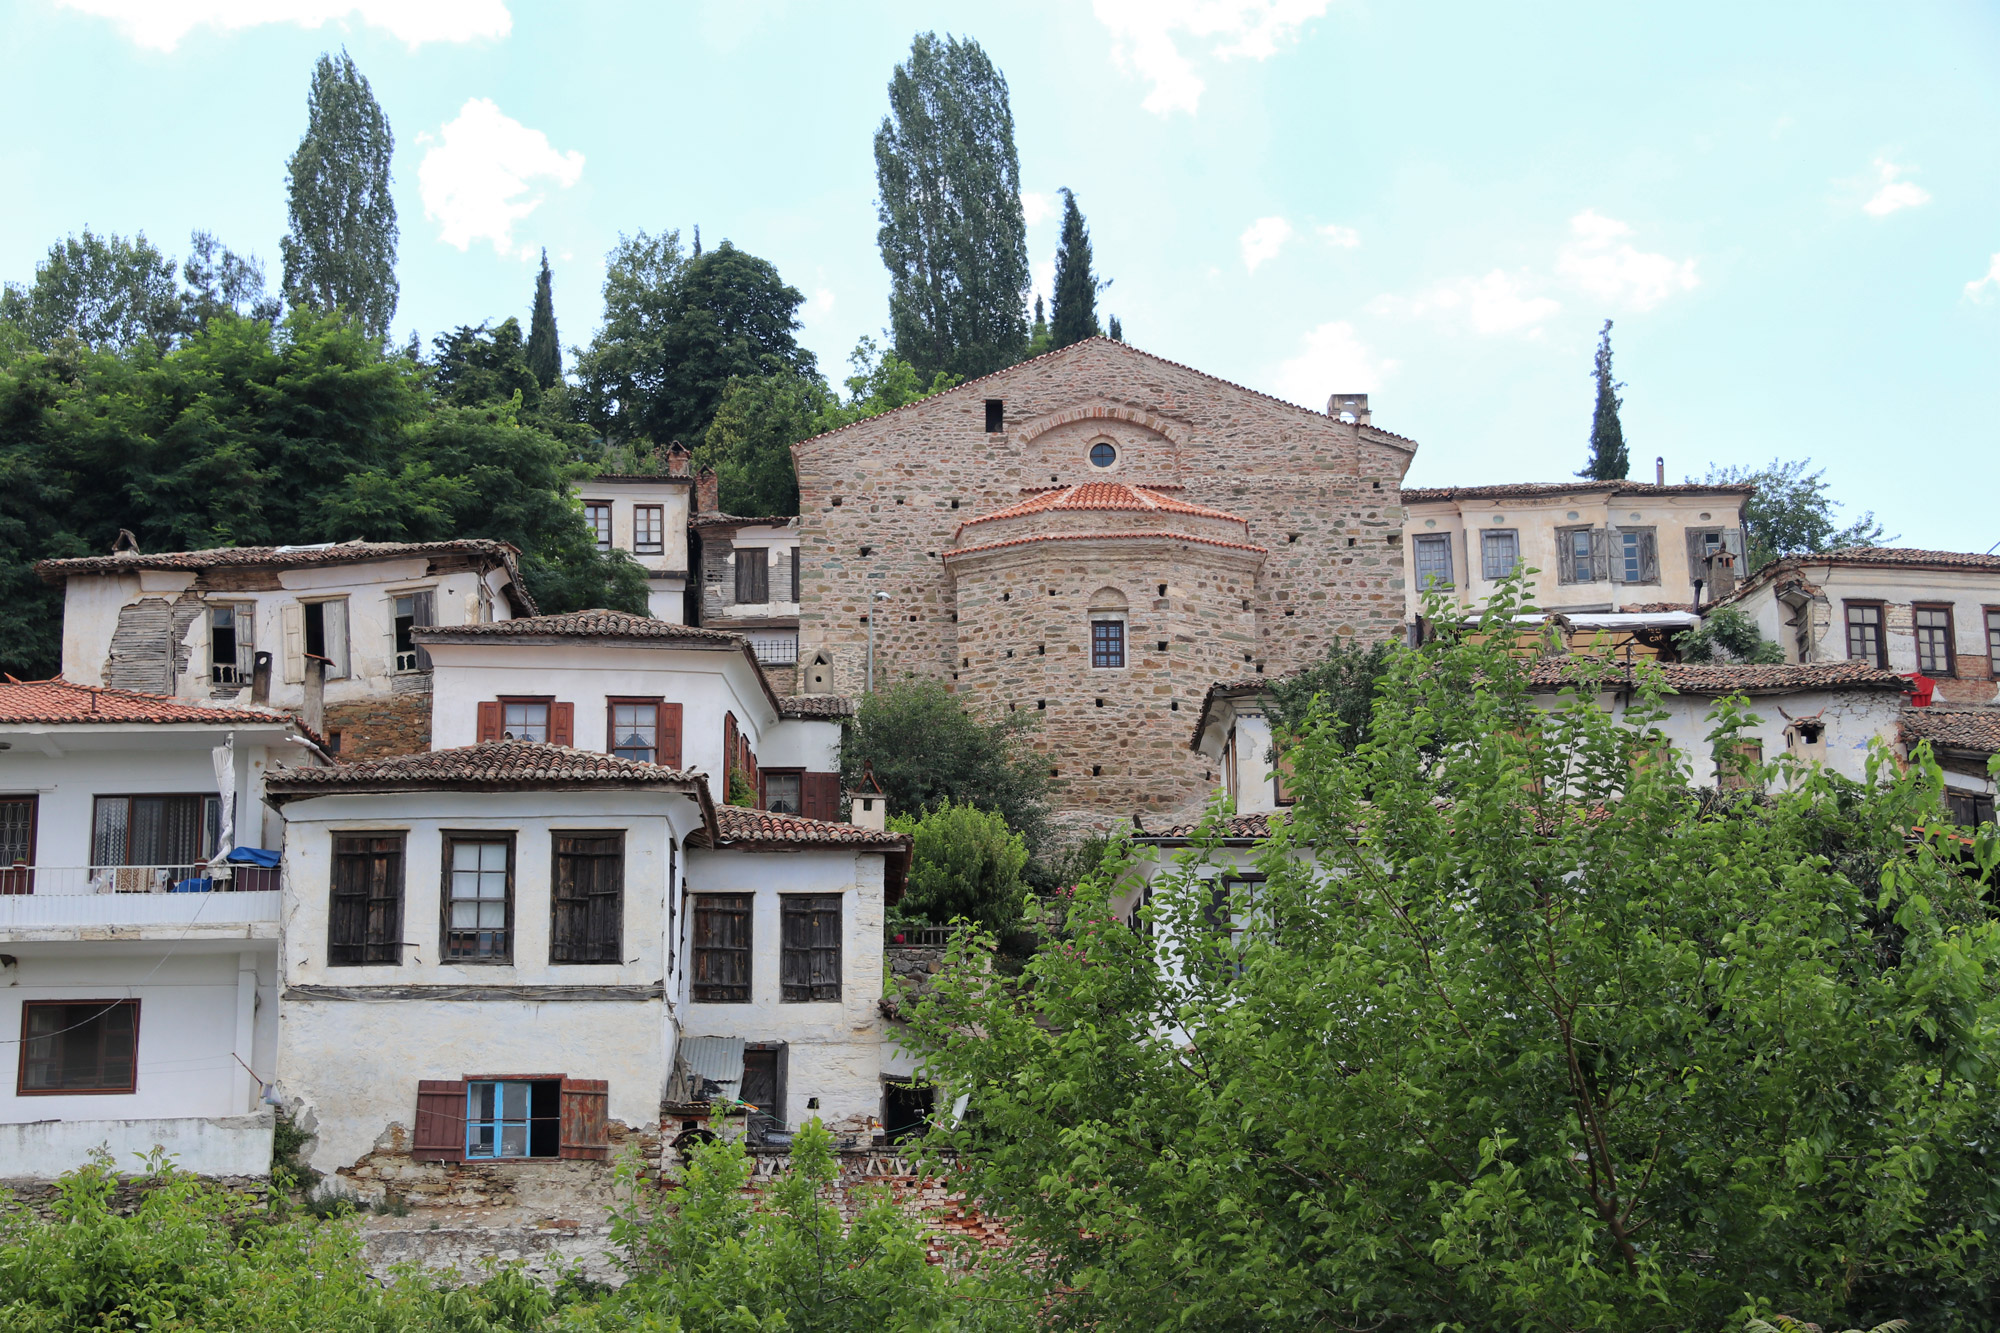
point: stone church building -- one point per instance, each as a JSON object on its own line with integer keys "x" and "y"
{"x": 1097, "y": 535}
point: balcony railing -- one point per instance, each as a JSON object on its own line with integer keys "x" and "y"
{"x": 777, "y": 652}
{"x": 83, "y": 881}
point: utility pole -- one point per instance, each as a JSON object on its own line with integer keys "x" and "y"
{"x": 878, "y": 599}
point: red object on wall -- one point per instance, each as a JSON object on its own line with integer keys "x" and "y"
{"x": 1920, "y": 695}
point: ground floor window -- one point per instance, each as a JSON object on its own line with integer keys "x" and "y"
{"x": 513, "y": 1118}
{"x": 79, "y": 1046}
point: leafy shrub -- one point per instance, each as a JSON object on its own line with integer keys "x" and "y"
{"x": 964, "y": 862}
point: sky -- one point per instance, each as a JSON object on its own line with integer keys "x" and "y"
{"x": 1790, "y": 211}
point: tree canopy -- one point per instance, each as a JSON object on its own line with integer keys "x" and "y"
{"x": 926, "y": 751}
{"x": 1790, "y": 513}
{"x": 1609, "y": 459}
{"x": 340, "y": 253}
{"x": 544, "y": 345}
{"x": 1074, "y": 314}
{"x": 952, "y": 234}
{"x": 1506, "y": 1027}
{"x": 964, "y": 862}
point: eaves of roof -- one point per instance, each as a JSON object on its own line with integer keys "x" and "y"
{"x": 1137, "y": 535}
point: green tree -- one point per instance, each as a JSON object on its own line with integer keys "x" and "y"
{"x": 106, "y": 291}
{"x": 1074, "y": 314}
{"x": 952, "y": 236}
{"x": 221, "y": 281}
{"x": 964, "y": 862}
{"x": 677, "y": 330}
{"x": 1790, "y": 512}
{"x": 1727, "y": 635}
{"x": 1609, "y": 460}
{"x": 1038, "y": 332}
{"x": 1517, "y": 1031}
{"x": 926, "y": 751}
{"x": 475, "y": 364}
{"x": 544, "y": 347}
{"x": 1117, "y": 332}
{"x": 340, "y": 253}
{"x": 1341, "y": 686}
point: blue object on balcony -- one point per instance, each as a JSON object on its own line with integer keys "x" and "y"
{"x": 200, "y": 884}
{"x": 254, "y": 856}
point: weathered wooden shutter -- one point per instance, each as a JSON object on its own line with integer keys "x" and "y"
{"x": 744, "y": 587}
{"x": 294, "y": 620}
{"x": 794, "y": 949}
{"x": 795, "y": 573}
{"x": 1697, "y": 556}
{"x": 826, "y": 948}
{"x": 588, "y": 903}
{"x": 1649, "y": 556}
{"x": 1600, "y": 555}
{"x": 490, "y": 720}
{"x": 728, "y": 753}
{"x": 750, "y": 765}
{"x": 586, "y": 1120}
{"x": 668, "y": 732}
{"x": 1566, "y": 555}
{"x": 562, "y": 724}
{"x": 423, "y": 611}
{"x": 722, "y": 948}
{"x": 365, "y": 906}
{"x": 333, "y": 630}
{"x": 819, "y": 796}
{"x": 439, "y": 1135}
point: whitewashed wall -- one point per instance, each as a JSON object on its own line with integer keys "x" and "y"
{"x": 207, "y": 1145}
{"x": 834, "y": 1049}
{"x": 666, "y": 570}
{"x": 801, "y": 743}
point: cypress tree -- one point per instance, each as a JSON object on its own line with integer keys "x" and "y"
{"x": 341, "y": 251}
{"x": 1117, "y": 333}
{"x": 1609, "y": 460}
{"x": 952, "y": 236}
{"x": 1073, "y": 314}
{"x": 544, "y": 349}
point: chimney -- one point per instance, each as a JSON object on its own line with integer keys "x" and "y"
{"x": 1721, "y": 575}
{"x": 1659, "y": 469}
{"x": 260, "y": 679}
{"x": 312, "y": 710}
{"x": 1348, "y": 407}
{"x": 867, "y": 807}
{"x": 677, "y": 459}
{"x": 707, "y": 491}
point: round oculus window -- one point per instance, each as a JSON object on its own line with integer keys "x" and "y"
{"x": 1102, "y": 454}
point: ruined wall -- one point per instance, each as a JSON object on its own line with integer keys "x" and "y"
{"x": 390, "y": 724}
{"x": 882, "y": 500}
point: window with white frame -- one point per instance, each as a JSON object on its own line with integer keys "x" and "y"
{"x": 479, "y": 899}
{"x": 597, "y": 513}
{"x": 649, "y": 529}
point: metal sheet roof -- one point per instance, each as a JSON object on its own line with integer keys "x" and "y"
{"x": 718, "y": 1060}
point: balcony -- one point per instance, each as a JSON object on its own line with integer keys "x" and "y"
{"x": 70, "y": 903}
{"x": 775, "y": 649}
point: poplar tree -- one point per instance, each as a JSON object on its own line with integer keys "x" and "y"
{"x": 1074, "y": 314}
{"x": 340, "y": 253}
{"x": 952, "y": 236}
{"x": 544, "y": 349}
{"x": 1609, "y": 460}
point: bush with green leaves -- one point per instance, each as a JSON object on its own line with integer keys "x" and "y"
{"x": 1727, "y": 635}
{"x": 1517, "y": 1032}
{"x": 964, "y": 862}
{"x": 926, "y": 750}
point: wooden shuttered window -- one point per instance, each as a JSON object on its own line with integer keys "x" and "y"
{"x": 753, "y": 576}
{"x": 819, "y": 796}
{"x": 588, "y": 898}
{"x": 489, "y": 720}
{"x": 721, "y": 948}
{"x": 586, "y": 1122}
{"x": 809, "y": 947}
{"x": 439, "y": 1133}
{"x": 562, "y": 724}
{"x": 795, "y": 574}
{"x": 670, "y": 735}
{"x": 365, "y": 913}
{"x": 728, "y": 750}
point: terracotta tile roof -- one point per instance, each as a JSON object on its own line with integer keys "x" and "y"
{"x": 331, "y": 553}
{"x": 1245, "y": 827}
{"x": 667, "y": 477}
{"x": 1115, "y": 496}
{"x": 1654, "y": 608}
{"x": 1528, "y": 490}
{"x": 1065, "y": 351}
{"x": 740, "y": 824}
{"x": 1903, "y": 555}
{"x": 598, "y": 624}
{"x": 1551, "y": 673}
{"x": 1105, "y": 536}
{"x": 816, "y": 706}
{"x": 60, "y": 702}
{"x": 1957, "y": 729}
{"x": 525, "y": 764}
{"x": 736, "y": 520}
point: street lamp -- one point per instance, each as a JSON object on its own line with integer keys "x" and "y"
{"x": 879, "y": 597}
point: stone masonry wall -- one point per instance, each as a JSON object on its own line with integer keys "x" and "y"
{"x": 384, "y": 726}
{"x": 881, "y": 502}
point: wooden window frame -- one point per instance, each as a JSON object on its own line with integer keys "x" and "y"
{"x": 802, "y": 966}
{"x": 205, "y": 847}
{"x": 241, "y": 663}
{"x": 21, "y": 1088}
{"x": 1103, "y": 647}
{"x": 1950, "y": 669}
{"x": 449, "y": 839}
{"x": 367, "y": 944}
{"x": 1419, "y": 543}
{"x": 17, "y": 875}
{"x": 1734, "y": 760}
{"x": 601, "y": 537}
{"x": 1990, "y": 615}
{"x": 640, "y": 546}
{"x": 1881, "y": 609}
{"x": 423, "y": 601}
{"x": 1486, "y": 565}
{"x": 709, "y": 992}
{"x": 752, "y": 565}
{"x": 603, "y": 949}
{"x": 612, "y": 703}
{"x": 440, "y": 1127}
{"x": 764, "y": 777}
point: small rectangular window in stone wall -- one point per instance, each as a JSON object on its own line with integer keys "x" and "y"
{"x": 1107, "y": 643}
{"x": 753, "y": 576}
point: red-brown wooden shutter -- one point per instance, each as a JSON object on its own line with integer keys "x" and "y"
{"x": 819, "y": 796}
{"x": 586, "y": 1122}
{"x": 750, "y": 768}
{"x": 489, "y": 720}
{"x": 669, "y": 734}
{"x": 728, "y": 750}
{"x": 440, "y": 1132}
{"x": 562, "y": 724}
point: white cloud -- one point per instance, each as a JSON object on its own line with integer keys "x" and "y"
{"x": 1035, "y": 207}
{"x": 1500, "y": 302}
{"x": 1332, "y": 359}
{"x": 1344, "y": 237}
{"x": 1143, "y": 38}
{"x": 1263, "y": 239}
{"x": 478, "y": 181}
{"x": 1892, "y": 195}
{"x": 818, "y": 306}
{"x": 1601, "y": 261}
{"x": 1977, "y": 288}
{"x": 162, "y": 23}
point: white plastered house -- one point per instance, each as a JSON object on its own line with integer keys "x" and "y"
{"x": 138, "y": 958}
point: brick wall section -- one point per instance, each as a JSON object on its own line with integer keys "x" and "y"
{"x": 881, "y": 502}
{"x": 379, "y": 728}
